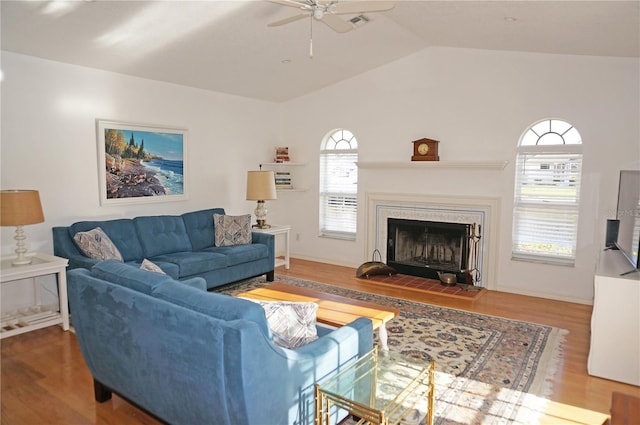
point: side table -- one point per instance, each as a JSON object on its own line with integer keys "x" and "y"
{"x": 277, "y": 229}
{"x": 36, "y": 317}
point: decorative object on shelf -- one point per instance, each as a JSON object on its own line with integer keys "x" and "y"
{"x": 19, "y": 208}
{"x": 425, "y": 150}
{"x": 282, "y": 154}
{"x": 261, "y": 186}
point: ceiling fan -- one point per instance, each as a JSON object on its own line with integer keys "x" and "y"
{"x": 327, "y": 11}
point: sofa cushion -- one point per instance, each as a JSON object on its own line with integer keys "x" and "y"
{"x": 199, "y": 225}
{"x": 190, "y": 263}
{"x": 122, "y": 233}
{"x": 292, "y": 324}
{"x": 224, "y": 307}
{"x": 232, "y": 230}
{"x": 241, "y": 254}
{"x": 151, "y": 266}
{"x": 129, "y": 276}
{"x": 96, "y": 244}
{"x": 162, "y": 234}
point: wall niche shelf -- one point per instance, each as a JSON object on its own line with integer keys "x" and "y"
{"x": 469, "y": 164}
{"x": 283, "y": 166}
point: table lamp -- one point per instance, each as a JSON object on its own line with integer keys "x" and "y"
{"x": 261, "y": 186}
{"x": 18, "y": 208}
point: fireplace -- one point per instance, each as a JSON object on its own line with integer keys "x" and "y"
{"x": 424, "y": 248}
{"x": 481, "y": 213}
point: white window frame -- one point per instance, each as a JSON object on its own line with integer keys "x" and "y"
{"x": 547, "y": 193}
{"x": 338, "y": 185}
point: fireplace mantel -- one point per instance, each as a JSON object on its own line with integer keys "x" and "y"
{"x": 469, "y": 164}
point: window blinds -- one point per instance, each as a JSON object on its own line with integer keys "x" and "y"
{"x": 546, "y": 207}
{"x": 338, "y": 193}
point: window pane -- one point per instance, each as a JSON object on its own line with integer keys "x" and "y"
{"x": 339, "y": 185}
{"x": 547, "y": 194}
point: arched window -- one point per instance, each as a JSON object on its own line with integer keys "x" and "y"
{"x": 339, "y": 185}
{"x": 547, "y": 193}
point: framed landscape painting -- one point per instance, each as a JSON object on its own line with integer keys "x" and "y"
{"x": 140, "y": 163}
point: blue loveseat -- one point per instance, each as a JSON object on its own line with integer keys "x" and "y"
{"x": 182, "y": 246}
{"x": 194, "y": 357}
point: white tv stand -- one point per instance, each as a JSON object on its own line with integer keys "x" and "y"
{"x": 615, "y": 321}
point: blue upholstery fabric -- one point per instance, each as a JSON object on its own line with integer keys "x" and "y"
{"x": 195, "y": 282}
{"x": 190, "y": 263}
{"x": 182, "y": 246}
{"x": 200, "y": 227}
{"x": 129, "y": 276}
{"x": 239, "y": 254}
{"x": 186, "y": 367}
{"x": 162, "y": 234}
{"x": 220, "y": 306}
{"x": 121, "y": 232}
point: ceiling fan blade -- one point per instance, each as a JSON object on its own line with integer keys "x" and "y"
{"x": 361, "y": 6}
{"x": 336, "y": 23}
{"x": 291, "y": 3}
{"x": 288, "y": 20}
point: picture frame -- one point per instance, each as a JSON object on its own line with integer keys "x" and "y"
{"x": 139, "y": 163}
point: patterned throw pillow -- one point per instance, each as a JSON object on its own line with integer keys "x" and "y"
{"x": 96, "y": 244}
{"x": 293, "y": 324}
{"x": 232, "y": 230}
{"x": 151, "y": 267}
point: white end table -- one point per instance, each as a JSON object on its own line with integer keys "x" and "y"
{"x": 278, "y": 229}
{"x": 35, "y": 317}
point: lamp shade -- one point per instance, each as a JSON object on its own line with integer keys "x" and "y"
{"x": 261, "y": 185}
{"x": 20, "y": 207}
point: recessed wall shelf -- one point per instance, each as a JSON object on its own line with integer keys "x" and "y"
{"x": 470, "y": 164}
{"x": 282, "y": 166}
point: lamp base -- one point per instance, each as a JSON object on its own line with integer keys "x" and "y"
{"x": 21, "y": 250}
{"x": 21, "y": 261}
{"x": 261, "y": 224}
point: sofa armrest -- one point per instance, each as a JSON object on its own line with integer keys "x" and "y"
{"x": 265, "y": 239}
{"x": 360, "y": 329}
{"x": 196, "y": 282}
{"x": 63, "y": 246}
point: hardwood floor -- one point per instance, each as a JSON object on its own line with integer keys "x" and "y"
{"x": 45, "y": 380}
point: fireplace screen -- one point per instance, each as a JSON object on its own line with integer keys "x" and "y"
{"x": 422, "y": 248}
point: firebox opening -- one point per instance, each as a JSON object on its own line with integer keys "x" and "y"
{"x": 423, "y": 248}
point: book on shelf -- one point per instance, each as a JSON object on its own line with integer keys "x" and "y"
{"x": 283, "y": 180}
{"x": 282, "y": 154}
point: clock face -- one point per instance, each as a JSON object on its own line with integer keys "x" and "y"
{"x": 423, "y": 148}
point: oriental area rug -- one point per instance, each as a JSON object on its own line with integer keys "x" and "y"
{"x": 489, "y": 370}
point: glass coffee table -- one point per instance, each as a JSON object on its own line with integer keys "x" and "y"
{"x": 385, "y": 388}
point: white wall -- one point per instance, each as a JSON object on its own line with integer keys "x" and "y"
{"x": 477, "y": 103}
{"x": 49, "y": 140}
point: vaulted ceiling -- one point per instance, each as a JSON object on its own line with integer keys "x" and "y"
{"x": 227, "y": 47}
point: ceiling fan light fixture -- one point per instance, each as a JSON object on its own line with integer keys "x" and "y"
{"x": 318, "y": 13}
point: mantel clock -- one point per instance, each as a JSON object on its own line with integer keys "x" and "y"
{"x": 425, "y": 150}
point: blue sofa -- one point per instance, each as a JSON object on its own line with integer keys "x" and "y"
{"x": 182, "y": 246}
{"x": 190, "y": 356}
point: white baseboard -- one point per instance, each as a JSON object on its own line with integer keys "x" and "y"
{"x": 545, "y": 295}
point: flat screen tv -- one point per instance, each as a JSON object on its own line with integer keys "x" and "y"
{"x": 629, "y": 215}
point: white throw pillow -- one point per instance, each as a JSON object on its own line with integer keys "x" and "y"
{"x": 151, "y": 266}
{"x": 96, "y": 244}
{"x": 293, "y": 324}
{"x": 232, "y": 230}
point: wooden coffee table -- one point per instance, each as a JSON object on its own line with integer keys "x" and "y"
{"x": 333, "y": 310}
